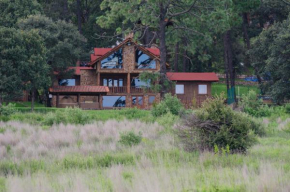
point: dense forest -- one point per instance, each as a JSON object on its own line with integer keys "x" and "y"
{"x": 39, "y": 37}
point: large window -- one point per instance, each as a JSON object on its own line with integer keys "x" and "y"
{"x": 143, "y": 61}
{"x": 139, "y": 84}
{"x": 202, "y": 89}
{"x": 137, "y": 100}
{"x": 179, "y": 89}
{"x": 114, "y": 101}
{"x": 114, "y": 61}
{"x": 67, "y": 82}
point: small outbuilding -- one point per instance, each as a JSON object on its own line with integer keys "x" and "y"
{"x": 192, "y": 88}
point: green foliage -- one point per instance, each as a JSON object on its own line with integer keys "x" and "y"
{"x": 6, "y": 110}
{"x": 270, "y": 54}
{"x": 217, "y": 124}
{"x": 130, "y": 138}
{"x": 67, "y": 116}
{"x": 62, "y": 40}
{"x": 287, "y": 108}
{"x": 170, "y": 104}
{"x": 12, "y": 11}
{"x": 254, "y": 106}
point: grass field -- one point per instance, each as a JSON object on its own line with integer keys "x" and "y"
{"x": 217, "y": 89}
{"x": 92, "y": 157}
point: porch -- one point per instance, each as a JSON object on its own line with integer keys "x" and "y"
{"x": 79, "y": 92}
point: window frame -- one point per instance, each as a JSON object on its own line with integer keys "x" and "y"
{"x": 198, "y": 89}
{"x": 136, "y": 62}
{"x": 118, "y": 64}
{"x": 177, "y": 93}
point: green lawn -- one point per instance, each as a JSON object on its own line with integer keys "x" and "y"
{"x": 217, "y": 89}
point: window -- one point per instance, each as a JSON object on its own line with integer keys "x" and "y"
{"x": 67, "y": 82}
{"x": 105, "y": 82}
{"x": 115, "y": 82}
{"x": 151, "y": 99}
{"x": 179, "y": 89}
{"x": 143, "y": 61}
{"x": 121, "y": 83}
{"x": 202, "y": 89}
{"x": 114, "y": 101}
{"x": 139, "y": 84}
{"x": 110, "y": 82}
{"x": 114, "y": 61}
{"x": 137, "y": 100}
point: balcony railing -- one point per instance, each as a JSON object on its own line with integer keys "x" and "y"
{"x": 118, "y": 89}
{"x": 132, "y": 90}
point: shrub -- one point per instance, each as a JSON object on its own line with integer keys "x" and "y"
{"x": 7, "y": 110}
{"x": 130, "y": 138}
{"x": 254, "y": 106}
{"x": 287, "y": 108}
{"x": 217, "y": 124}
{"x": 67, "y": 116}
{"x": 169, "y": 104}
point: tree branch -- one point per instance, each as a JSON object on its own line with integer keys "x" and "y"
{"x": 183, "y": 12}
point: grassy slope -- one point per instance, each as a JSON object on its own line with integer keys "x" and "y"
{"x": 91, "y": 158}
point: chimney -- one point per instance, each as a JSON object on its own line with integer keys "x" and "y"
{"x": 130, "y": 35}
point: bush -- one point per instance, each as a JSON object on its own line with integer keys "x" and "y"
{"x": 216, "y": 124}
{"x": 67, "y": 116}
{"x": 254, "y": 106}
{"x": 130, "y": 138}
{"x": 287, "y": 108}
{"x": 170, "y": 104}
{"x": 6, "y": 110}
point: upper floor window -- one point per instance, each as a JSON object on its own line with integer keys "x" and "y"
{"x": 67, "y": 82}
{"x": 114, "y": 61}
{"x": 144, "y": 61}
{"x": 139, "y": 84}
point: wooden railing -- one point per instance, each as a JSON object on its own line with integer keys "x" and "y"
{"x": 118, "y": 89}
{"x": 140, "y": 90}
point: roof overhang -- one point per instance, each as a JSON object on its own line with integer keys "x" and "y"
{"x": 208, "y": 77}
{"x": 75, "y": 90}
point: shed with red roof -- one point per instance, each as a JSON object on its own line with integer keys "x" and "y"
{"x": 192, "y": 88}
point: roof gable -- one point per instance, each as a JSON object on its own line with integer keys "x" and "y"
{"x": 152, "y": 52}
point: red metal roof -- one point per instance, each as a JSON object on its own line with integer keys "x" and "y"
{"x": 155, "y": 51}
{"x": 192, "y": 76}
{"x": 101, "y": 51}
{"x": 79, "y": 89}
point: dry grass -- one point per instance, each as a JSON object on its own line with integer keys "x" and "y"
{"x": 159, "y": 165}
{"x": 25, "y": 142}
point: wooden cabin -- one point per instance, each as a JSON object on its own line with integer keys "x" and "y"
{"x": 111, "y": 80}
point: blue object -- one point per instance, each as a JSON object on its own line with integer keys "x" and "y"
{"x": 254, "y": 79}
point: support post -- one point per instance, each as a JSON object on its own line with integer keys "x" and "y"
{"x": 57, "y": 100}
{"x": 78, "y": 100}
{"x": 98, "y": 79}
{"x": 128, "y": 83}
{"x": 101, "y": 101}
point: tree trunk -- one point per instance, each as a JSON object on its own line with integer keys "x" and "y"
{"x": 0, "y": 101}
{"x": 176, "y": 57}
{"x": 245, "y": 30}
{"x": 79, "y": 16}
{"x": 184, "y": 60}
{"x": 229, "y": 61}
{"x": 162, "y": 47}
{"x": 65, "y": 10}
{"x": 32, "y": 99}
